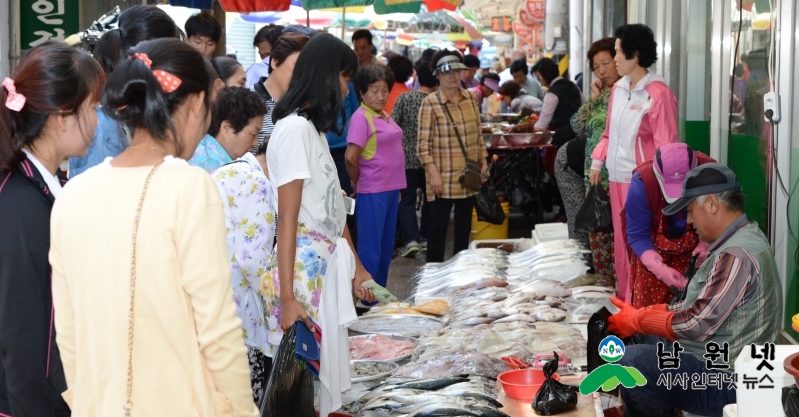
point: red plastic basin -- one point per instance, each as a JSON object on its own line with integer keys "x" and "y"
{"x": 791, "y": 366}
{"x": 523, "y": 384}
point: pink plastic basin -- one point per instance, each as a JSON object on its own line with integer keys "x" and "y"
{"x": 523, "y": 384}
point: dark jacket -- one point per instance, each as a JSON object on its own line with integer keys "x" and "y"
{"x": 31, "y": 376}
{"x": 569, "y": 101}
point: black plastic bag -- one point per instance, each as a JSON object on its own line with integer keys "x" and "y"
{"x": 790, "y": 401}
{"x": 289, "y": 392}
{"x": 595, "y": 215}
{"x": 597, "y": 331}
{"x": 488, "y": 206}
{"x": 553, "y": 397}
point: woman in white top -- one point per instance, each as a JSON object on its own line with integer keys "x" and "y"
{"x": 642, "y": 117}
{"x": 141, "y": 282}
{"x": 313, "y": 241}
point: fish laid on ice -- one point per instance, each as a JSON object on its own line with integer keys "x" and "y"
{"x": 551, "y": 315}
{"x": 442, "y": 410}
{"x": 487, "y": 411}
{"x": 517, "y": 317}
{"x": 432, "y": 384}
{"x": 578, "y": 290}
{"x": 592, "y": 294}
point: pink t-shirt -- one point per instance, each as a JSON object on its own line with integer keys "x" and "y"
{"x": 382, "y": 161}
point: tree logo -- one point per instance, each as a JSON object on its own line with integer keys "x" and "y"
{"x": 610, "y": 375}
{"x": 611, "y": 349}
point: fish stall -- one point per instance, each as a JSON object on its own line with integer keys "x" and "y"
{"x": 479, "y": 335}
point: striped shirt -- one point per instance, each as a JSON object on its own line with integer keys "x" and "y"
{"x": 438, "y": 143}
{"x": 269, "y": 103}
{"x": 732, "y": 282}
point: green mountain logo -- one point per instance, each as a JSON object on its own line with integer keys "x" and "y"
{"x": 610, "y": 375}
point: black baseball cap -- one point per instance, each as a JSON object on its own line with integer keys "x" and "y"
{"x": 705, "y": 179}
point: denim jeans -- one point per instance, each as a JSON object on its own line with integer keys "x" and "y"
{"x": 653, "y": 400}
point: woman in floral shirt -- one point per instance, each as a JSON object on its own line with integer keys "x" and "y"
{"x": 589, "y": 121}
{"x": 249, "y": 217}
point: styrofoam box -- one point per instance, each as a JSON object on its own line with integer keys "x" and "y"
{"x": 762, "y": 402}
{"x": 546, "y": 232}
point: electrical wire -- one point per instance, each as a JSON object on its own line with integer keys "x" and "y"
{"x": 732, "y": 83}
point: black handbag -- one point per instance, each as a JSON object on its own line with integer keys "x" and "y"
{"x": 472, "y": 173}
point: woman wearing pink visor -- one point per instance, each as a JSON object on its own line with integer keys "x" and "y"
{"x": 662, "y": 245}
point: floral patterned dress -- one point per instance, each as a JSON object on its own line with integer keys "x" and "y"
{"x": 312, "y": 258}
{"x": 590, "y": 121}
{"x": 249, "y": 206}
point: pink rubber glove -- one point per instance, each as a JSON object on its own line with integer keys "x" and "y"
{"x": 654, "y": 263}
{"x": 701, "y": 250}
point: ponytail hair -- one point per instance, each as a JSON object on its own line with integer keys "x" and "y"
{"x": 136, "y": 24}
{"x": 134, "y": 97}
{"x": 54, "y": 79}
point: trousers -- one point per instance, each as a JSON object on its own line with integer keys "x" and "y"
{"x": 376, "y": 215}
{"x": 440, "y": 209}
{"x": 618, "y": 197}
{"x": 658, "y": 400}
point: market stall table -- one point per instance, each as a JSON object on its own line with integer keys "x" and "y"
{"x": 586, "y": 404}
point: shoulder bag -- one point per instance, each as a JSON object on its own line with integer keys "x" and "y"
{"x": 128, "y": 405}
{"x": 471, "y": 173}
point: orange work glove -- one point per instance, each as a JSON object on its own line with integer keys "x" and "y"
{"x": 623, "y": 323}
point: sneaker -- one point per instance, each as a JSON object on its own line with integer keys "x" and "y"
{"x": 424, "y": 245}
{"x": 411, "y": 249}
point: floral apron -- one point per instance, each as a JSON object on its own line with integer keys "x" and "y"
{"x": 647, "y": 289}
{"x": 311, "y": 261}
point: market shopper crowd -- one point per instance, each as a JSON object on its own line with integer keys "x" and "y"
{"x": 202, "y": 218}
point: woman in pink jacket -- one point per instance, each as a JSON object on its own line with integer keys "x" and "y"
{"x": 642, "y": 116}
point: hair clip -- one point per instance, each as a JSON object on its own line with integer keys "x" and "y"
{"x": 15, "y": 101}
{"x": 169, "y": 82}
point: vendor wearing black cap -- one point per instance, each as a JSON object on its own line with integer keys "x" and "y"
{"x": 735, "y": 299}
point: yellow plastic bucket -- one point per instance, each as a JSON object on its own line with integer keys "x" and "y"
{"x": 488, "y": 231}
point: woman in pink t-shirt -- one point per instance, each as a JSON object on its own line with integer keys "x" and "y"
{"x": 376, "y": 164}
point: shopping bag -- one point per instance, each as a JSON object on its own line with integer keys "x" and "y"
{"x": 488, "y": 206}
{"x": 595, "y": 215}
{"x": 289, "y": 391}
{"x": 554, "y": 397}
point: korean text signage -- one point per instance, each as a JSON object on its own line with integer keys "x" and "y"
{"x": 525, "y": 19}
{"x": 522, "y": 30}
{"x": 41, "y": 20}
{"x": 536, "y": 9}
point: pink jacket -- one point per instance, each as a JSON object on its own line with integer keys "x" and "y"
{"x": 639, "y": 122}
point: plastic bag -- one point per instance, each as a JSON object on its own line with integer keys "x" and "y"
{"x": 790, "y": 401}
{"x": 289, "y": 392}
{"x": 595, "y": 215}
{"x": 597, "y": 330}
{"x": 553, "y": 397}
{"x": 487, "y": 205}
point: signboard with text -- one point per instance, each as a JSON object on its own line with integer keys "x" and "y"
{"x": 501, "y": 24}
{"x": 522, "y": 30}
{"x": 536, "y": 9}
{"x": 41, "y": 20}
{"x": 526, "y": 19}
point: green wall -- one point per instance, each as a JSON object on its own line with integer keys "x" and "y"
{"x": 747, "y": 157}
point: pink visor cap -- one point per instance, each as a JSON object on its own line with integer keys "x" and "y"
{"x": 492, "y": 84}
{"x": 671, "y": 163}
